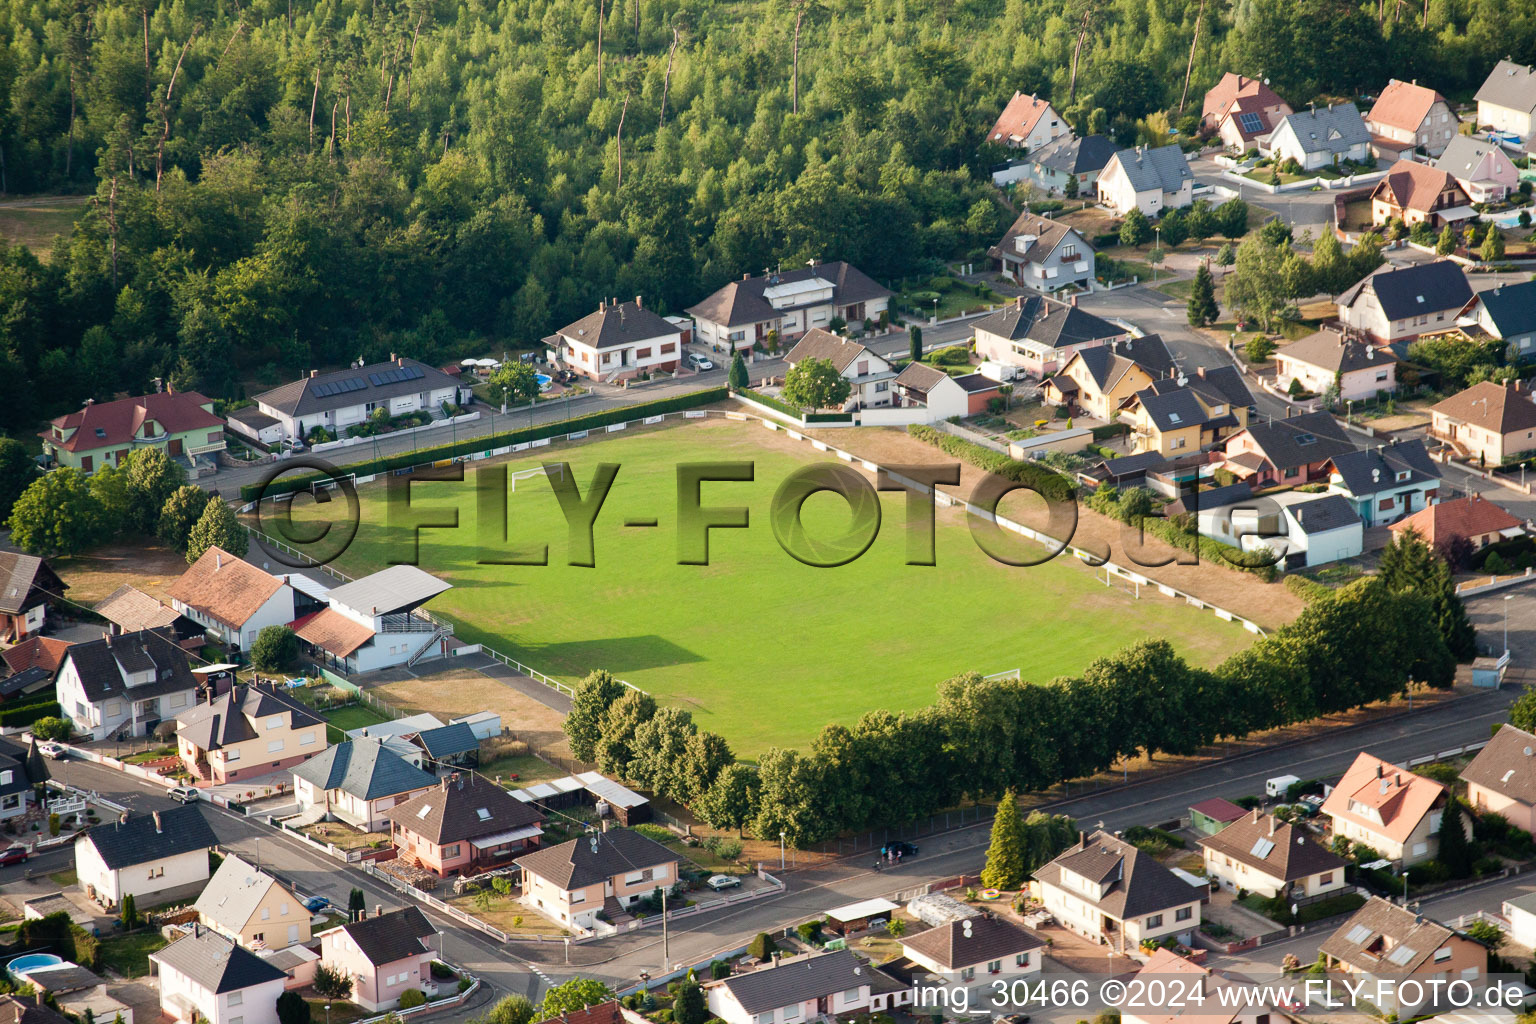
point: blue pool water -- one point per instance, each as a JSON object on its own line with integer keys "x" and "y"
{"x": 19, "y": 966}
{"x": 545, "y": 380}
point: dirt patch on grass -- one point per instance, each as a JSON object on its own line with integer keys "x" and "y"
{"x": 144, "y": 563}
{"x": 464, "y": 691}
{"x": 1268, "y": 604}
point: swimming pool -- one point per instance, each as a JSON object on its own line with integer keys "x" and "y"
{"x": 545, "y": 380}
{"x": 31, "y": 962}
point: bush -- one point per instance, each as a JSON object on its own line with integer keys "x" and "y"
{"x": 1179, "y": 532}
{"x": 1108, "y": 430}
{"x": 955, "y": 355}
{"x": 1050, "y": 484}
{"x": 761, "y": 947}
{"x": 411, "y": 998}
{"x": 1307, "y": 590}
{"x": 729, "y": 849}
{"x": 469, "y": 446}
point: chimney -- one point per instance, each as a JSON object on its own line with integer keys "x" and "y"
{"x": 1378, "y": 771}
{"x": 1271, "y": 824}
{"x": 400, "y": 361}
{"x": 157, "y": 822}
{"x": 218, "y": 560}
{"x": 746, "y": 277}
{"x": 362, "y": 915}
{"x": 1074, "y": 300}
{"x": 392, "y": 357}
{"x": 1018, "y": 302}
{"x": 378, "y": 910}
{"x": 638, "y": 303}
{"x": 1255, "y": 815}
{"x": 314, "y": 373}
{"x": 443, "y": 783}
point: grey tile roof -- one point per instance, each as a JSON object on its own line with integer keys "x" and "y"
{"x": 1048, "y": 234}
{"x": 101, "y": 665}
{"x": 1137, "y": 884}
{"x": 458, "y": 738}
{"x": 1404, "y": 292}
{"x": 1301, "y": 440}
{"x": 398, "y": 588}
{"x": 1072, "y": 155}
{"x": 147, "y": 837}
{"x": 342, "y": 389}
{"x": 1331, "y": 129}
{"x": 1172, "y": 410}
{"x": 1506, "y": 766}
{"x": 18, "y": 575}
{"x": 1328, "y": 512}
{"x": 1369, "y": 470}
{"x": 976, "y": 940}
{"x": 396, "y": 935}
{"x": 1510, "y": 85}
{"x": 799, "y": 979}
{"x": 25, "y": 1010}
{"x": 1389, "y": 928}
{"x": 228, "y": 717}
{"x": 1218, "y": 384}
{"x": 818, "y": 343}
{"x": 216, "y": 964}
{"x": 363, "y": 768}
{"x": 615, "y": 324}
{"x": 1048, "y": 322}
{"x": 1462, "y": 155}
{"x": 576, "y": 864}
{"x": 920, "y": 377}
{"x": 1163, "y": 167}
{"x": 1511, "y": 307}
{"x": 742, "y": 302}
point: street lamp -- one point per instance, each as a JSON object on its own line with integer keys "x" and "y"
{"x": 1349, "y": 411}
{"x": 1405, "y": 887}
{"x": 781, "y": 851}
{"x": 1507, "y": 598}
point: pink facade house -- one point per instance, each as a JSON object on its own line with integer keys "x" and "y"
{"x": 599, "y": 873}
{"x": 1502, "y": 778}
{"x": 1483, "y": 170}
{"x": 384, "y": 954}
{"x": 465, "y": 825}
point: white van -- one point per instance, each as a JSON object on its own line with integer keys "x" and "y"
{"x": 1277, "y": 786}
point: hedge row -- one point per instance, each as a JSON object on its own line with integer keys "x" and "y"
{"x": 1184, "y": 536}
{"x": 26, "y": 714}
{"x": 1307, "y": 590}
{"x": 1049, "y": 483}
{"x": 1110, "y": 430}
{"x": 470, "y": 446}
{"x": 770, "y": 402}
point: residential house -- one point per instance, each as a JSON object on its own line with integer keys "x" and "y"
{"x": 869, "y": 374}
{"x": 104, "y": 433}
{"x": 204, "y": 977}
{"x": 346, "y": 398}
{"x": 1475, "y": 519}
{"x": 16, "y": 785}
{"x": 942, "y": 395}
{"x": 1044, "y": 254}
{"x": 16, "y": 1009}
{"x": 1054, "y": 165}
{"x": 1394, "y": 812}
{"x": 1107, "y": 890}
{"x": 1483, "y": 170}
{"x": 384, "y": 955}
{"x": 1039, "y": 334}
{"x": 251, "y": 729}
{"x": 1223, "y": 997}
{"x": 1489, "y": 421}
{"x": 619, "y": 341}
{"x": 250, "y": 907}
{"x": 1387, "y": 482}
{"x": 979, "y": 950}
{"x": 1149, "y": 180}
{"x": 465, "y": 825}
{"x": 231, "y": 598}
{"x": 356, "y": 782}
{"x": 28, "y": 588}
{"x": 1243, "y": 111}
{"x": 1501, "y": 779}
{"x": 1327, "y": 358}
{"x": 1213, "y": 814}
{"x": 155, "y": 858}
{"x": 1400, "y": 303}
{"x": 373, "y": 622}
{"x": 1179, "y": 415}
{"x": 788, "y": 303}
{"x": 128, "y": 610}
{"x": 1297, "y": 527}
{"x": 1507, "y": 312}
{"x": 805, "y": 988}
{"x": 1520, "y": 912}
{"x": 1321, "y": 137}
{"x": 1507, "y": 100}
{"x": 1414, "y": 192}
{"x": 1408, "y": 116}
{"x": 599, "y": 872}
{"x": 124, "y": 685}
{"x": 1028, "y": 123}
{"x": 1292, "y": 451}
{"x": 1259, "y": 853}
{"x": 1386, "y": 945}
{"x": 30, "y": 666}
{"x": 1099, "y": 380}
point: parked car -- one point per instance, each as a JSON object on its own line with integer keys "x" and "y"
{"x": 700, "y": 362}
{"x": 315, "y": 904}
{"x": 186, "y": 794}
{"x": 13, "y": 855}
{"x": 719, "y": 882}
{"x": 52, "y": 751}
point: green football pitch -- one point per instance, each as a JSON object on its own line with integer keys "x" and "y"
{"x": 758, "y": 646}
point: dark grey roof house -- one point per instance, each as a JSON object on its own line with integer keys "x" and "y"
{"x": 358, "y": 781}
{"x": 153, "y": 857}
{"x": 203, "y": 964}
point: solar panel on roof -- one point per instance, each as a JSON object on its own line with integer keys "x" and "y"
{"x": 1251, "y": 122}
{"x": 376, "y": 379}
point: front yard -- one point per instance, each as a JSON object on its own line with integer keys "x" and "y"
{"x": 507, "y": 913}
{"x": 354, "y": 716}
{"x": 344, "y": 836}
{"x": 128, "y": 954}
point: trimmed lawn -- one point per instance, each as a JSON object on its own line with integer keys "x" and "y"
{"x": 128, "y": 955}
{"x": 1177, "y": 289}
{"x": 759, "y": 647}
{"x": 527, "y": 767}
{"x": 355, "y": 716}
{"x": 64, "y": 879}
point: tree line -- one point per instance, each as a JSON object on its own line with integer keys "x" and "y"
{"x": 275, "y": 187}
{"x": 985, "y": 737}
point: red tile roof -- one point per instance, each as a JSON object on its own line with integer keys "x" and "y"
{"x": 1232, "y": 88}
{"x": 1404, "y": 105}
{"x": 1414, "y": 186}
{"x": 118, "y": 423}
{"x": 1463, "y": 517}
{"x": 1020, "y": 116}
{"x": 38, "y": 650}
{"x": 332, "y": 631}
{"x": 1401, "y": 798}
{"x": 224, "y": 587}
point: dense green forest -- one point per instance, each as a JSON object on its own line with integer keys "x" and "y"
{"x": 279, "y": 185}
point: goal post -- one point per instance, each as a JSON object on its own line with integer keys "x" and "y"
{"x": 1110, "y": 578}
{"x": 555, "y": 470}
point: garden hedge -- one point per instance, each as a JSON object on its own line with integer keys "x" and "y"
{"x": 1049, "y": 483}
{"x": 26, "y": 714}
{"x": 470, "y": 446}
{"x": 770, "y": 402}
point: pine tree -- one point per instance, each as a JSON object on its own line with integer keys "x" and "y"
{"x": 916, "y": 352}
{"x": 1005, "y": 853}
{"x": 1410, "y": 564}
{"x": 688, "y": 1004}
{"x": 1455, "y": 850}
{"x": 738, "y": 374}
{"x": 1492, "y": 249}
{"x": 1202, "y": 308}
{"x": 130, "y": 914}
{"x": 1446, "y": 244}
